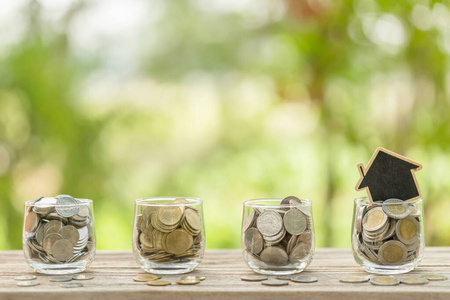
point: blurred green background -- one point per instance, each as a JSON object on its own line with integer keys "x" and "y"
{"x": 225, "y": 100}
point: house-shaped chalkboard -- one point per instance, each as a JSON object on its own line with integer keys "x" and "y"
{"x": 389, "y": 175}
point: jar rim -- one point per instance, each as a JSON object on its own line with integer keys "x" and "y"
{"x": 82, "y": 201}
{"x": 156, "y": 201}
{"x": 365, "y": 201}
{"x": 254, "y": 202}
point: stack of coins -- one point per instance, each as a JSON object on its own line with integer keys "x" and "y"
{"x": 169, "y": 234}
{"x": 58, "y": 230}
{"x": 388, "y": 233}
{"x": 278, "y": 237}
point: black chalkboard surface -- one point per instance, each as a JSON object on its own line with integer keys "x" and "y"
{"x": 389, "y": 175}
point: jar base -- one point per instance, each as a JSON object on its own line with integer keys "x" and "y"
{"x": 386, "y": 271}
{"x": 58, "y": 269}
{"x": 168, "y": 269}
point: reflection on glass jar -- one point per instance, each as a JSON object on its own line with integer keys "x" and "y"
{"x": 278, "y": 235}
{"x": 59, "y": 234}
{"x": 388, "y": 237}
{"x": 168, "y": 234}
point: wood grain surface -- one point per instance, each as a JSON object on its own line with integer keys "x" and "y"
{"x": 114, "y": 273}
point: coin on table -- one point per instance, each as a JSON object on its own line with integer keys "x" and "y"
{"x": 269, "y": 223}
{"x": 25, "y": 277}
{"x": 374, "y": 219}
{"x": 384, "y": 280}
{"x": 187, "y": 282}
{"x": 61, "y": 278}
{"x": 192, "y": 277}
{"x": 27, "y": 283}
{"x": 146, "y": 277}
{"x": 414, "y": 280}
{"x": 253, "y": 240}
{"x": 83, "y": 277}
{"x": 356, "y": 279}
{"x": 396, "y": 208}
{"x": 71, "y": 284}
{"x": 392, "y": 252}
{"x": 158, "y": 282}
{"x": 274, "y": 282}
{"x": 304, "y": 279}
{"x": 294, "y": 222}
{"x": 407, "y": 230}
{"x": 434, "y": 277}
{"x": 254, "y": 278}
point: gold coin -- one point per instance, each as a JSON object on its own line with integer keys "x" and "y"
{"x": 178, "y": 241}
{"x": 170, "y": 215}
{"x": 146, "y": 277}
{"x": 414, "y": 280}
{"x": 384, "y": 280}
{"x": 407, "y": 230}
{"x": 158, "y": 282}
{"x": 354, "y": 279}
{"x": 392, "y": 252}
{"x": 374, "y": 219}
{"x": 191, "y": 277}
{"x": 193, "y": 219}
{"x": 434, "y": 277}
{"x": 188, "y": 282}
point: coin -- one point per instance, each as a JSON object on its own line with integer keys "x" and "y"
{"x": 287, "y": 201}
{"x": 374, "y": 219}
{"x": 396, "y": 208}
{"x": 392, "y": 252}
{"x": 146, "y": 277}
{"x": 269, "y": 223}
{"x": 83, "y": 277}
{"x": 178, "y": 241}
{"x": 274, "y": 282}
{"x": 407, "y": 230}
{"x": 62, "y": 249}
{"x": 31, "y": 222}
{"x": 191, "y": 277}
{"x": 187, "y": 282}
{"x": 414, "y": 280}
{"x": 274, "y": 255}
{"x": 384, "y": 280}
{"x": 253, "y": 240}
{"x": 70, "y": 233}
{"x": 27, "y": 283}
{"x": 25, "y": 277}
{"x": 434, "y": 277}
{"x": 304, "y": 279}
{"x": 170, "y": 215}
{"x": 66, "y": 206}
{"x": 71, "y": 284}
{"x": 60, "y": 278}
{"x": 300, "y": 251}
{"x": 158, "y": 282}
{"x": 354, "y": 279}
{"x": 284, "y": 277}
{"x": 254, "y": 278}
{"x": 294, "y": 222}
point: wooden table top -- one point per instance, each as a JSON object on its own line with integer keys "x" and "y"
{"x": 114, "y": 273}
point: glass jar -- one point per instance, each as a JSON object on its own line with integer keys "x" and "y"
{"x": 168, "y": 234}
{"x": 388, "y": 237}
{"x": 59, "y": 234}
{"x": 278, "y": 235}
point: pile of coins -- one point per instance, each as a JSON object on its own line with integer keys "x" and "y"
{"x": 388, "y": 233}
{"x": 169, "y": 233}
{"x": 58, "y": 230}
{"x": 278, "y": 237}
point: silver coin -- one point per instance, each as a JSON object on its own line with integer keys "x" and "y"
{"x": 254, "y": 278}
{"x": 284, "y": 277}
{"x": 71, "y": 284}
{"x": 67, "y": 206}
{"x": 304, "y": 279}
{"x": 274, "y": 282}
{"x": 60, "y": 278}
{"x": 27, "y": 283}
{"x": 355, "y": 279}
{"x": 83, "y": 277}
{"x": 25, "y": 277}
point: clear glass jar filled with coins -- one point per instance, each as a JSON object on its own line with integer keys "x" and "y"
{"x": 388, "y": 237}
{"x": 59, "y": 234}
{"x": 278, "y": 235}
{"x": 168, "y": 234}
